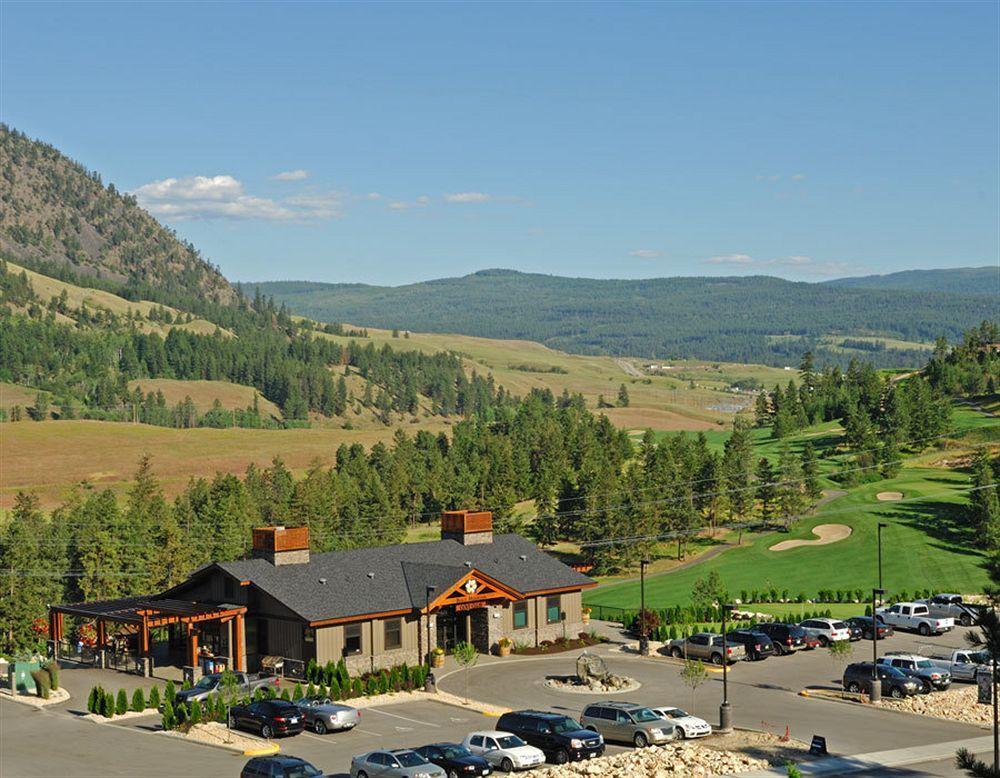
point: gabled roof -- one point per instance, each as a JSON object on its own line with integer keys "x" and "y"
{"x": 392, "y": 579}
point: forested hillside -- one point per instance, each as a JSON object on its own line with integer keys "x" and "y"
{"x": 56, "y": 213}
{"x": 752, "y": 319}
{"x": 958, "y": 280}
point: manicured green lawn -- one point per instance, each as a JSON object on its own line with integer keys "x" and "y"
{"x": 926, "y": 545}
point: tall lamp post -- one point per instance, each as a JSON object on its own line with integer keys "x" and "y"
{"x": 881, "y": 526}
{"x": 643, "y": 627}
{"x": 430, "y": 682}
{"x": 875, "y": 693}
{"x": 725, "y": 710}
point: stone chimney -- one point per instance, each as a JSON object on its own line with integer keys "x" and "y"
{"x": 467, "y": 527}
{"x": 282, "y": 545}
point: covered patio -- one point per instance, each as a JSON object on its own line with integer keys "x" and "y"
{"x": 136, "y": 617}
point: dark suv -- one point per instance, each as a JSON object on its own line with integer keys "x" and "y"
{"x": 858, "y": 678}
{"x": 787, "y": 638}
{"x": 561, "y": 738}
{"x": 757, "y": 643}
{"x": 279, "y": 767}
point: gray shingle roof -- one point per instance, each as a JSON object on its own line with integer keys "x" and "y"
{"x": 400, "y": 575}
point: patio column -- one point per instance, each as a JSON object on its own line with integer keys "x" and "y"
{"x": 192, "y": 646}
{"x": 144, "y": 637}
{"x": 239, "y": 656}
{"x": 102, "y": 637}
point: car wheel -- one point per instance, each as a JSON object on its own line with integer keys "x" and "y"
{"x": 232, "y": 721}
{"x": 319, "y": 727}
{"x": 676, "y": 653}
{"x": 926, "y": 687}
{"x": 640, "y": 740}
{"x": 716, "y": 659}
{"x": 854, "y": 687}
{"x": 965, "y": 620}
{"x": 897, "y": 693}
{"x": 924, "y": 629}
{"x": 506, "y": 765}
{"x": 362, "y": 774}
{"x": 562, "y": 756}
{"x": 265, "y": 731}
{"x": 680, "y": 733}
{"x": 453, "y": 774}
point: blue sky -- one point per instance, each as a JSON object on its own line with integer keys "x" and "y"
{"x": 608, "y": 140}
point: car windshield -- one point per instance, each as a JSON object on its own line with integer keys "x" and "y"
{"x": 206, "y": 682}
{"x": 410, "y": 759}
{"x": 455, "y": 752}
{"x": 566, "y": 724}
{"x": 304, "y": 770}
{"x": 643, "y": 714}
{"x": 674, "y": 713}
{"x": 980, "y": 657}
{"x": 509, "y": 741}
{"x": 839, "y": 625}
{"x": 923, "y": 664}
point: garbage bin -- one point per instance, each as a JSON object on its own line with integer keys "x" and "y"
{"x": 19, "y": 676}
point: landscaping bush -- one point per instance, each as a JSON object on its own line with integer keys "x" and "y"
{"x": 343, "y": 677}
{"x": 121, "y": 706}
{"x": 321, "y": 691}
{"x": 138, "y": 701}
{"x": 285, "y": 696}
{"x": 297, "y": 691}
{"x": 194, "y": 712}
{"x": 52, "y": 668}
{"x": 42, "y": 683}
{"x": 311, "y": 670}
{"x": 108, "y": 705}
{"x": 169, "y": 693}
{"x": 329, "y": 672}
{"x": 92, "y": 699}
{"x": 186, "y": 685}
{"x": 181, "y": 712}
{"x": 310, "y": 690}
{"x": 154, "y": 698}
{"x": 357, "y": 688}
{"x": 169, "y": 720}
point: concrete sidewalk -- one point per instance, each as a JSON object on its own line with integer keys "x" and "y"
{"x": 876, "y": 760}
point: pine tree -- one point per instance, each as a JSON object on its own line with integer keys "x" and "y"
{"x": 623, "y": 398}
{"x": 810, "y": 472}
{"x": 766, "y": 489}
{"x": 984, "y": 505}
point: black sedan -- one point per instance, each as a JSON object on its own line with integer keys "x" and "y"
{"x": 456, "y": 759}
{"x": 268, "y": 717}
{"x": 863, "y": 624}
{"x": 757, "y": 644}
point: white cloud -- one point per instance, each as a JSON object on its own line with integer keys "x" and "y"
{"x": 207, "y": 197}
{"x": 797, "y": 262}
{"x": 467, "y": 197}
{"x": 318, "y": 205}
{"x": 731, "y": 259}
{"x": 798, "y": 177}
{"x": 404, "y": 205}
{"x": 646, "y": 253}
{"x": 292, "y": 175}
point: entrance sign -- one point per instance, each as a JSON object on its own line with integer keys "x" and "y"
{"x": 818, "y": 746}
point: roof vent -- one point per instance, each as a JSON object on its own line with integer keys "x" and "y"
{"x": 524, "y": 557}
{"x": 322, "y": 580}
{"x": 468, "y": 564}
{"x": 371, "y": 575}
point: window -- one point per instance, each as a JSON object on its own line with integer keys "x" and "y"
{"x": 309, "y": 635}
{"x": 520, "y": 614}
{"x": 352, "y": 639}
{"x": 553, "y": 611}
{"x": 393, "y": 633}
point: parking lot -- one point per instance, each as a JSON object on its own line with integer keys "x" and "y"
{"x": 763, "y": 694}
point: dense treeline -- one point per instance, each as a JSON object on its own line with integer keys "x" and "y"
{"x": 727, "y": 319}
{"x": 971, "y": 367}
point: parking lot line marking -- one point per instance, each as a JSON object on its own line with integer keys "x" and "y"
{"x": 404, "y": 718}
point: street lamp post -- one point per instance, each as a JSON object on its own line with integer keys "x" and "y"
{"x": 643, "y": 624}
{"x": 881, "y": 526}
{"x": 875, "y": 693}
{"x": 725, "y": 710}
{"x": 430, "y": 683}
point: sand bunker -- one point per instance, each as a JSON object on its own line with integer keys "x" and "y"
{"x": 887, "y": 496}
{"x": 825, "y": 533}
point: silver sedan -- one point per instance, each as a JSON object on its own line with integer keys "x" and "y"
{"x": 323, "y": 715}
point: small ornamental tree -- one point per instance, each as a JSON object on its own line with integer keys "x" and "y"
{"x": 310, "y": 690}
{"x": 284, "y": 695}
{"x": 154, "y": 698}
{"x": 52, "y": 668}
{"x": 357, "y": 688}
{"x": 466, "y": 655}
{"x": 170, "y": 693}
{"x": 121, "y": 706}
{"x": 168, "y": 719}
{"x": 138, "y": 701}
{"x": 297, "y": 691}
{"x": 194, "y": 712}
{"x": 334, "y": 692}
{"x": 108, "y": 705}
{"x": 840, "y": 652}
{"x": 92, "y": 699}
{"x": 693, "y": 674}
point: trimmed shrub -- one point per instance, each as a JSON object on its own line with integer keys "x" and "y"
{"x": 342, "y": 675}
{"x": 170, "y": 693}
{"x": 92, "y": 699}
{"x": 285, "y": 696}
{"x": 357, "y": 688}
{"x": 121, "y": 706}
{"x": 334, "y": 692}
{"x": 169, "y": 720}
{"x": 194, "y": 712}
{"x": 297, "y": 691}
{"x": 186, "y": 685}
{"x": 52, "y": 668}
{"x": 154, "y": 698}
{"x": 321, "y": 691}
{"x": 310, "y": 690}
{"x": 138, "y": 701}
{"x": 108, "y": 705}
{"x": 42, "y": 683}
{"x": 181, "y": 711}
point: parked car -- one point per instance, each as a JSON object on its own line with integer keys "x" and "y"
{"x": 854, "y": 632}
{"x": 246, "y": 685}
{"x": 858, "y": 678}
{"x": 504, "y": 750}
{"x": 787, "y": 638}
{"x": 397, "y": 763}
{"x": 826, "y": 631}
{"x": 627, "y": 722}
{"x": 561, "y": 738}
{"x": 323, "y": 715}
{"x": 962, "y": 663}
{"x": 268, "y": 717}
{"x": 914, "y": 616}
{"x": 951, "y": 606}
{"x": 920, "y": 668}
{"x": 279, "y": 767}
{"x": 757, "y": 644}
{"x": 706, "y": 646}
{"x": 864, "y": 624}
{"x": 454, "y": 759}
{"x": 686, "y": 726}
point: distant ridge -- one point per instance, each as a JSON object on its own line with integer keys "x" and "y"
{"x": 741, "y": 319}
{"x": 959, "y": 280}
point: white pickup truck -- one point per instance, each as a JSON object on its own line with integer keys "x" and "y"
{"x": 914, "y": 616}
{"x": 962, "y": 664}
{"x": 945, "y": 605}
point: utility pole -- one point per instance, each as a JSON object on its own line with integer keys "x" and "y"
{"x": 643, "y": 628}
{"x": 875, "y": 693}
{"x": 725, "y": 710}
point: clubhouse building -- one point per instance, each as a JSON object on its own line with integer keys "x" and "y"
{"x": 373, "y": 607}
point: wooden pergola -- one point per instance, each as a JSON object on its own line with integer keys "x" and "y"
{"x": 145, "y": 613}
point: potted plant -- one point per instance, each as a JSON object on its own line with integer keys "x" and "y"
{"x": 504, "y": 646}
{"x": 437, "y": 657}
{"x": 586, "y": 615}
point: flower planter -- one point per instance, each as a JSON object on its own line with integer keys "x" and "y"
{"x": 504, "y": 649}
{"x": 437, "y": 660}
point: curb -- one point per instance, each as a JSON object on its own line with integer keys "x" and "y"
{"x": 266, "y": 750}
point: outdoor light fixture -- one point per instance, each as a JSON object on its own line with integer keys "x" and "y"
{"x": 875, "y": 693}
{"x": 643, "y": 622}
{"x": 430, "y": 682}
{"x": 725, "y": 710}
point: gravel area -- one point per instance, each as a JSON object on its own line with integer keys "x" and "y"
{"x": 216, "y": 734}
{"x": 680, "y": 760}
{"x": 55, "y": 697}
{"x": 956, "y": 704}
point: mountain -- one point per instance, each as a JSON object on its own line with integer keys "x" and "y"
{"x": 737, "y": 319}
{"x": 57, "y": 214}
{"x": 959, "y": 280}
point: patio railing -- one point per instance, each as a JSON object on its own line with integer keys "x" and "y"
{"x": 74, "y": 652}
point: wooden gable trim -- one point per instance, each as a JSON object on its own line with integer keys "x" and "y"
{"x": 458, "y": 594}
{"x": 561, "y": 590}
{"x": 361, "y": 617}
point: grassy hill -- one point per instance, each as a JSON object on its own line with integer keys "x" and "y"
{"x": 726, "y": 319}
{"x": 959, "y": 280}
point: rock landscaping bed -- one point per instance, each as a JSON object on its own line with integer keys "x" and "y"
{"x": 560, "y": 644}
{"x": 956, "y": 704}
{"x": 613, "y": 684}
{"x": 216, "y": 734}
{"x": 55, "y": 697}
{"x": 676, "y": 760}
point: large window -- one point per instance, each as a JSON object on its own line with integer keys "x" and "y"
{"x": 520, "y": 614}
{"x": 393, "y": 633}
{"x": 553, "y": 610}
{"x": 352, "y": 639}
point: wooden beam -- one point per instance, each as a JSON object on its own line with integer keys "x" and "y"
{"x": 239, "y": 658}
